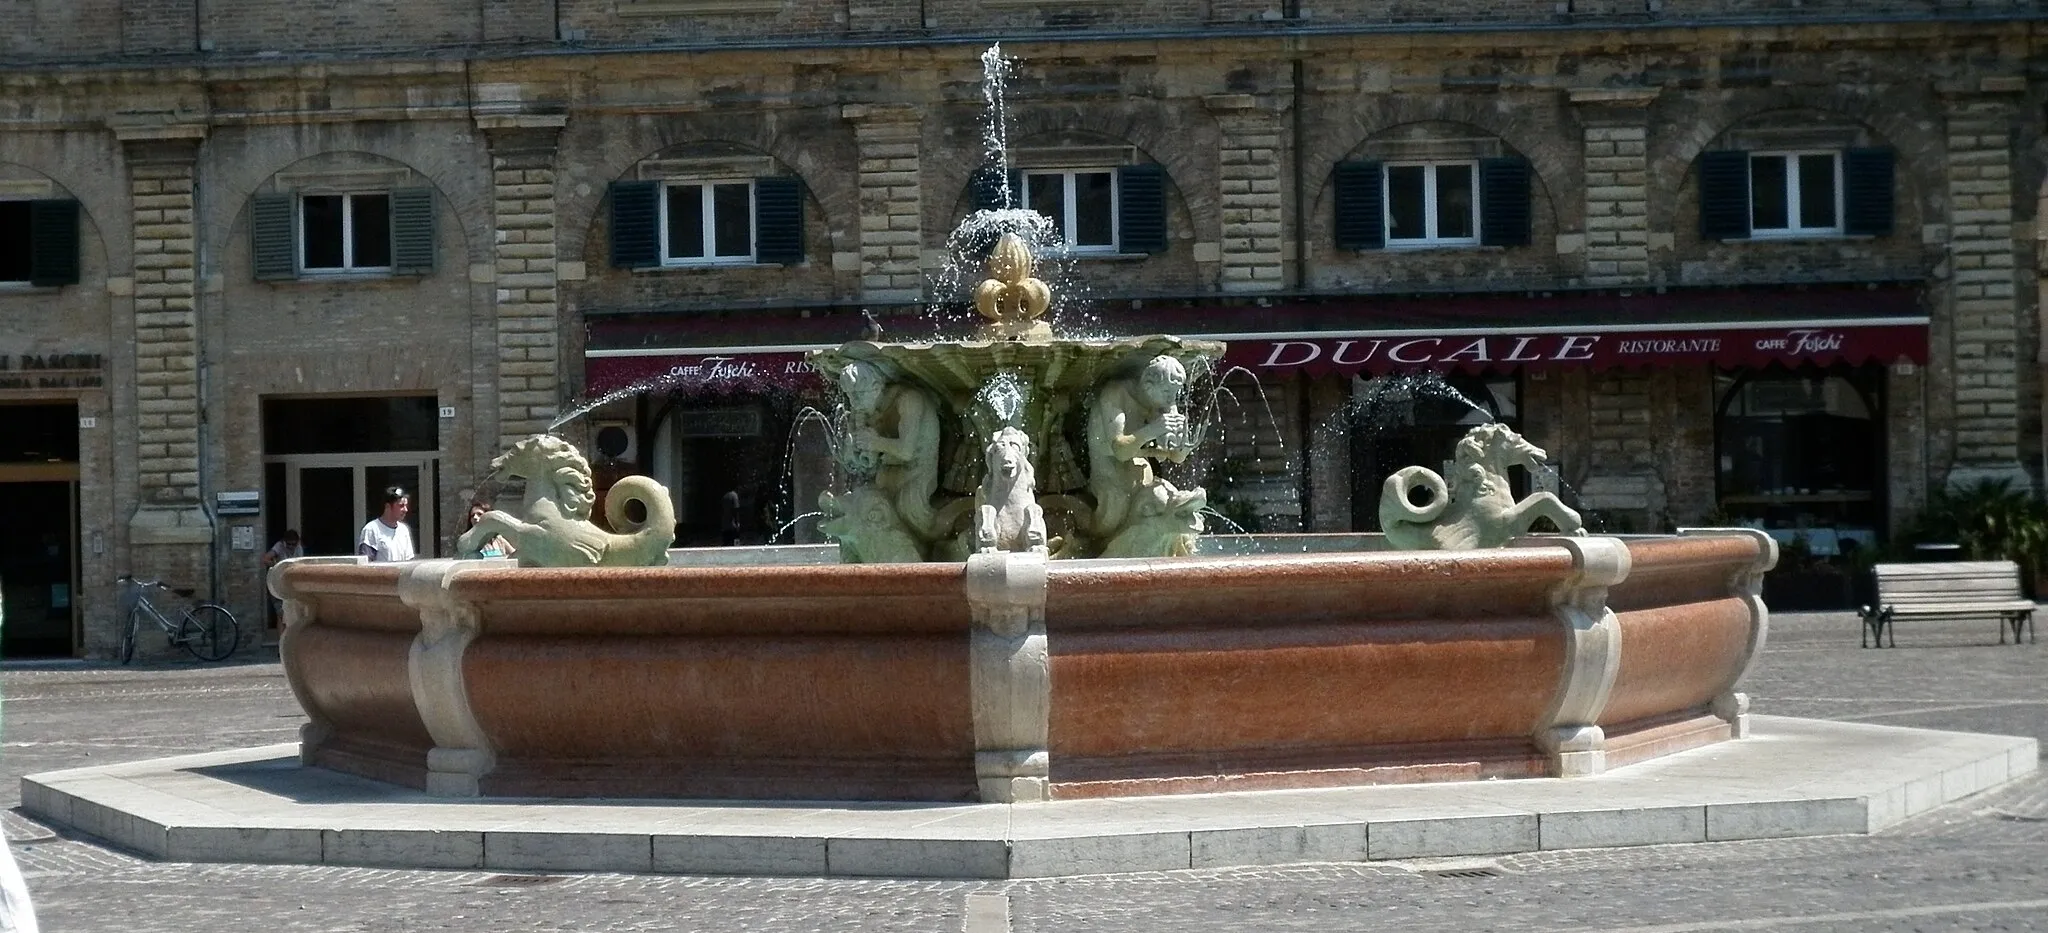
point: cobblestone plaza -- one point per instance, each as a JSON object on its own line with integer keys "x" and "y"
{"x": 1981, "y": 864}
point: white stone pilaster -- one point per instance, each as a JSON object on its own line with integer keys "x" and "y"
{"x": 1011, "y": 675}
{"x": 1570, "y": 733}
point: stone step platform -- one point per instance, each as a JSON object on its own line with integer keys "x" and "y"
{"x": 1793, "y": 777}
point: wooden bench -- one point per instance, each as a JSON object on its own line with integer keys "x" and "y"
{"x": 1964, "y": 589}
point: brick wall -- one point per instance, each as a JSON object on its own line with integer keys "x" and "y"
{"x": 60, "y": 29}
{"x": 159, "y": 26}
{"x": 245, "y": 26}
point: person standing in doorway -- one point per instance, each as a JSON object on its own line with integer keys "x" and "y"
{"x": 729, "y": 518}
{"x": 286, "y": 548}
{"x": 387, "y": 538}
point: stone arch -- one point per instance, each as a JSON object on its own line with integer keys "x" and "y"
{"x": 1548, "y": 141}
{"x": 610, "y": 150}
{"x": 235, "y": 166}
{"x": 93, "y": 208}
{"x": 1920, "y": 147}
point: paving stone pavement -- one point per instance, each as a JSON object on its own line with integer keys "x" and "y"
{"x": 1979, "y": 865}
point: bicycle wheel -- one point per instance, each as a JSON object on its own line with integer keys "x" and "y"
{"x": 209, "y": 632}
{"x": 128, "y": 640}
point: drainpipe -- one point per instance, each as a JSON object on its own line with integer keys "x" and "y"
{"x": 203, "y": 371}
{"x": 1305, "y": 409}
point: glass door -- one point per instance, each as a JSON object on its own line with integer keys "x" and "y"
{"x": 329, "y": 497}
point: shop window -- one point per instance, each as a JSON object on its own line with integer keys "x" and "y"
{"x": 1106, "y": 210}
{"x": 314, "y": 234}
{"x": 39, "y": 243}
{"x": 1382, "y": 205}
{"x": 707, "y": 222}
{"x": 1762, "y": 195}
{"x": 1800, "y": 453}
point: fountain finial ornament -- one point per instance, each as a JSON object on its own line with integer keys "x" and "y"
{"x": 1011, "y": 299}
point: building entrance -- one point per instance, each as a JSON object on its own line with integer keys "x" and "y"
{"x": 328, "y": 461}
{"x": 39, "y": 554}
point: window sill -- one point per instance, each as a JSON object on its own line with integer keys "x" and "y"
{"x": 347, "y": 278}
{"x": 706, "y": 267}
{"x": 1107, "y": 257}
{"x": 1473, "y": 246}
{"x": 24, "y": 288}
{"x": 1779, "y": 236}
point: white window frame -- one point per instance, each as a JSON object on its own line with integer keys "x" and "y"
{"x": 1792, "y": 193}
{"x": 1430, "y": 240}
{"x": 1070, "y": 222}
{"x": 705, "y": 187}
{"x": 348, "y": 232}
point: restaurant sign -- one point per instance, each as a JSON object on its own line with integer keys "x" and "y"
{"x": 1593, "y": 349}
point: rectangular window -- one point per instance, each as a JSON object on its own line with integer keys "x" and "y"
{"x": 1081, "y": 203}
{"x": 1795, "y": 193}
{"x": 16, "y": 264}
{"x": 706, "y": 222}
{"x": 345, "y": 232}
{"x": 1432, "y": 205}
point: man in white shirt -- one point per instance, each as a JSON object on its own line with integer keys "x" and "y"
{"x": 387, "y": 537}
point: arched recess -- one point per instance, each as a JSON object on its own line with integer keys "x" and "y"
{"x": 239, "y": 163}
{"x": 718, "y": 159}
{"x": 1532, "y": 128}
{"x": 1432, "y": 141}
{"x": 819, "y": 152}
{"x": 1680, "y": 138}
{"x": 96, "y": 249}
{"x": 1154, "y": 134}
{"x": 348, "y": 169}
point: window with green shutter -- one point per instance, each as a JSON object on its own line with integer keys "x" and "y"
{"x": 779, "y": 220}
{"x": 311, "y": 234}
{"x": 636, "y": 224}
{"x": 1795, "y": 194}
{"x": 39, "y": 242}
{"x": 1360, "y": 212}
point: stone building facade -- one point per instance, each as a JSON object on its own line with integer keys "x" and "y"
{"x": 1774, "y": 261}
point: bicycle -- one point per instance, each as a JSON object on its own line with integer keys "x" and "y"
{"x": 208, "y": 630}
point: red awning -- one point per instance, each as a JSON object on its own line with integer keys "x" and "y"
{"x": 1615, "y": 346}
{"x": 698, "y": 370}
{"x": 1595, "y": 348}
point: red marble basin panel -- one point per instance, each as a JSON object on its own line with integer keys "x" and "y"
{"x": 1685, "y": 633}
{"x": 701, "y": 665}
{"x": 1251, "y": 655}
{"x": 349, "y": 669}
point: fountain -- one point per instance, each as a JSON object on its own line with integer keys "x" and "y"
{"x": 1020, "y": 609}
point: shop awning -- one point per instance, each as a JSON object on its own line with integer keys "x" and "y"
{"x": 1789, "y": 343}
{"x": 1367, "y": 334}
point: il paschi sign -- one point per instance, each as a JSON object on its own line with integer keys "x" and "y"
{"x": 1590, "y": 349}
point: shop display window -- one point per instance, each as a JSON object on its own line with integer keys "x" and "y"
{"x": 1800, "y": 453}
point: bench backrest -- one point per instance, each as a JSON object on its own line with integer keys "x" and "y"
{"x": 1957, "y": 582}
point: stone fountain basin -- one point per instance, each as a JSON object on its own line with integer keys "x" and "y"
{"x": 1010, "y": 677}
